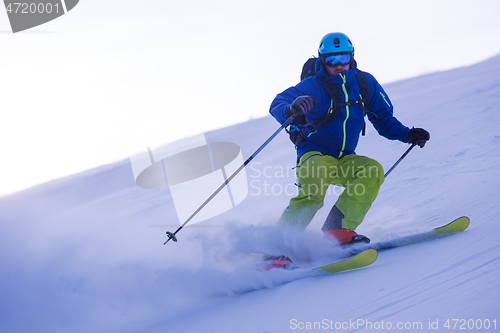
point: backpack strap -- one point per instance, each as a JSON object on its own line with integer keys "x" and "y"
{"x": 365, "y": 94}
{"x": 308, "y": 70}
{"x": 332, "y": 112}
{"x": 334, "y": 108}
{"x": 363, "y": 88}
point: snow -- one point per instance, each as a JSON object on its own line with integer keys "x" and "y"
{"x": 84, "y": 253}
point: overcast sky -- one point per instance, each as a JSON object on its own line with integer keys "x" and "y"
{"x": 76, "y": 91}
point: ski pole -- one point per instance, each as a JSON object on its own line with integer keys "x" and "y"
{"x": 400, "y": 159}
{"x": 171, "y": 235}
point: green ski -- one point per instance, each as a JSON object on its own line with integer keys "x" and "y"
{"x": 453, "y": 227}
{"x": 362, "y": 259}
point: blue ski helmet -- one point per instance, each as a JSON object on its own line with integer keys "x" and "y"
{"x": 335, "y": 42}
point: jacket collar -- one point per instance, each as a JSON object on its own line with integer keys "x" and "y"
{"x": 349, "y": 74}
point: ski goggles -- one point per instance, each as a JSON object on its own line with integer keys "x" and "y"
{"x": 335, "y": 59}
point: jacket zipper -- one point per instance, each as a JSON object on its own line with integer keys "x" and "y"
{"x": 347, "y": 115}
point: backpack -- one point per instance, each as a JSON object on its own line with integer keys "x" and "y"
{"x": 299, "y": 122}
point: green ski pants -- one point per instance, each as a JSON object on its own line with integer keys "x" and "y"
{"x": 359, "y": 175}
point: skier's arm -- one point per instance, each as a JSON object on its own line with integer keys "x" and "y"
{"x": 381, "y": 113}
{"x": 281, "y": 104}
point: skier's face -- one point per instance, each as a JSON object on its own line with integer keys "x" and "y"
{"x": 336, "y": 70}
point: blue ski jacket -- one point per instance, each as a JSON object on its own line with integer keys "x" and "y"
{"x": 339, "y": 137}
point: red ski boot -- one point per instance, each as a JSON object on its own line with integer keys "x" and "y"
{"x": 346, "y": 236}
{"x": 283, "y": 262}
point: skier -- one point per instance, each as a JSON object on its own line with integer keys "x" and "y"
{"x": 326, "y": 154}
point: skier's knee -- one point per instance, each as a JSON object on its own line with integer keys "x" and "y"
{"x": 375, "y": 173}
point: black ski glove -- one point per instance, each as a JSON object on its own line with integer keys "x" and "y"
{"x": 300, "y": 105}
{"x": 418, "y": 136}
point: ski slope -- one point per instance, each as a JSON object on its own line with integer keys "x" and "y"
{"x": 85, "y": 254}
